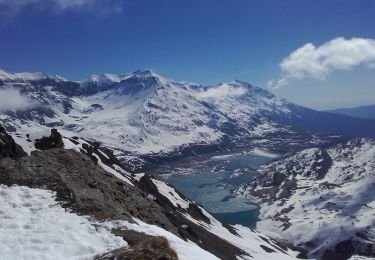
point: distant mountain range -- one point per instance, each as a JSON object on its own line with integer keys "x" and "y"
{"x": 144, "y": 114}
{"x": 367, "y": 112}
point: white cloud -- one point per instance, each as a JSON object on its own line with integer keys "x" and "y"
{"x": 11, "y": 99}
{"x": 223, "y": 91}
{"x": 319, "y": 62}
{"x": 12, "y": 7}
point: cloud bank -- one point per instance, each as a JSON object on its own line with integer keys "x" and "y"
{"x": 13, "y": 7}
{"x": 11, "y": 99}
{"x": 310, "y": 61}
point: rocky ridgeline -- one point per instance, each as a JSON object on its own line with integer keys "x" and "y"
{"x": 82, "y": 185}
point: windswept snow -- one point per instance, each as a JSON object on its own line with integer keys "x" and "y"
{"x": 34, "y": 226}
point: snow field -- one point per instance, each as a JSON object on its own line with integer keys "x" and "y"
{"x": 34, "y": 226}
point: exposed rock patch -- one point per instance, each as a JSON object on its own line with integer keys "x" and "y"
{"x": 52, "y": 141}
{"x": 82, "y": 186}
{"x": 8, "y": 148}
{"x": 142, "y": 247}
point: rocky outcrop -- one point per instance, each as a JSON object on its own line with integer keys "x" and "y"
{"x": 52, "y": 141}
{"x": 8, "y": 148}
{"x": 82, "y": 186}
{"x": 141, "y": 247}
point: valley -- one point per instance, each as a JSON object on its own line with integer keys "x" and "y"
{"x": 211, "y": 181}
{"x": 232, "y": 152}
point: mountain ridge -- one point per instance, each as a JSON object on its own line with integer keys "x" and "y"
{"x": 366, "y": 112}
{"x": 144, "y": 113}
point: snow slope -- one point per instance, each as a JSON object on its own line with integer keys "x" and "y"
{"x": 319, "y": 199}
{"x": 34, "y": 226}
{"x": 252, "y": 243}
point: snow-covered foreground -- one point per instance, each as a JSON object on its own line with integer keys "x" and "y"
{"x": 34, "y": 226}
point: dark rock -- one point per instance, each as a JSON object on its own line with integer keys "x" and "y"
{"x": 52, "y": 141}
{"x": 267, "y": 249}
{"x": 146, "y": 248}
{"x": 8, "y": 147}
{"x": 82, "y": 186}
{"x": 345, "y": 249}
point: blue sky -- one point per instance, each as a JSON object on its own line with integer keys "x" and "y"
{"x": 199, "y": 41}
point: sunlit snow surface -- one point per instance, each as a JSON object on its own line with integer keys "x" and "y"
{"x": 326, "y": 210}
{"x": 34, "y": 226}
{"x": 144, "y": 113}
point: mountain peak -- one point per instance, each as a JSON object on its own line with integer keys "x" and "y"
{"x": 28, "y": 76}
{"x": 250, "y": 88}
{"x": 146, "y": 73}
{"x": 149, "y": 74}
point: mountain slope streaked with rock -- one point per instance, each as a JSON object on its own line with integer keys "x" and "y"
{"x": 320, "y": 199}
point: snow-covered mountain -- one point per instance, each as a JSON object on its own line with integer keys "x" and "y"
{"x": 320, "y": 199}
{"x": 27, "y": 76}
{"x": 143, "y": 113}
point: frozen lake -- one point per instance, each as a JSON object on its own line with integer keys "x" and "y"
{"x": 211, "y": 181}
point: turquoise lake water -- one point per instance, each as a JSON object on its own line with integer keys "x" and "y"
{"x": 211, "y": 183}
